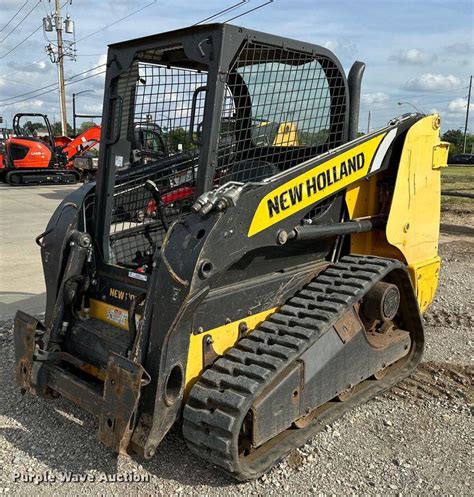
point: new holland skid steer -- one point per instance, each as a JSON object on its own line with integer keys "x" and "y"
{"x": 255, "y": 287}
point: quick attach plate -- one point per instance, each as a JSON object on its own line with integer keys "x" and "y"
{"x": 122, "y": 386}
{"x": 26, "y": 331}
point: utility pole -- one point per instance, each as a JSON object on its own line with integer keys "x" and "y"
{"x": 59, "y": 52}
{"x": 368, "y": 122}
{"x": 467, "y": 115}
{"x": 60, "y": 64}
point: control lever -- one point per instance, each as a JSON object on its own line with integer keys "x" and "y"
{"x": 155, "y": 193}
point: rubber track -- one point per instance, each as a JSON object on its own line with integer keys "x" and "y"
{"x": 224, "y": 393}
{"x": 59, "y": 174}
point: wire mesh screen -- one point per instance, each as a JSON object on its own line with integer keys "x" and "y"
{"x": 285, "y": 108}
{"x": 280, "y": 108}
{"x": 168, "y": 109}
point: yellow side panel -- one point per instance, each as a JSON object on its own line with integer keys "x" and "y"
{"x": 425, "y": 280}
{"x": 412, "y": 230}
{"x": 224, "y": 337}
{"x": 413, "y": 223}
{"x": 363, "y": 199}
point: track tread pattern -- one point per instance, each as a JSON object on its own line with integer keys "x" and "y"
{"x": 221, "y": 398}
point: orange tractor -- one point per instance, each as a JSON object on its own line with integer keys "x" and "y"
{"x": 30, "y": 157}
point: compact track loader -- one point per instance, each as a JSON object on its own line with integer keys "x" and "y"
{"x": 257, "y": 289}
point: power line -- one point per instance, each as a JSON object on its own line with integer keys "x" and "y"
{"x": 16, "y": 13}
{"x": 49, "y": 88}
{"x": 16, "y": 82}
{"x": 31, "y": 98}
{"x": 68, "y": 80}
{"x": 52, "y": 90}
{"x": 232, "y": 7}
{"x": 21, "y": 43}
{"x": 250, "y": 10}
{"x": 86, "y": 77}
{"x": 28, "y": 92}
{"x": 117, "y": 21}
{"x": 21, "y": 20}
{"x": 222, "y": 12}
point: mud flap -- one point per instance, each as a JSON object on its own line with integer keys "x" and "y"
{"x": 122, "y": 386}
{"x": 26, "y": 331}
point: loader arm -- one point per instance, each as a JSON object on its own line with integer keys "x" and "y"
{"x": 83, "y": 142}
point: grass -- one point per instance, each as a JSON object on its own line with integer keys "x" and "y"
{"x": 459, "y": 179}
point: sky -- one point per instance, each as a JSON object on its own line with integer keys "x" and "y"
{"x": 418, "y": 52}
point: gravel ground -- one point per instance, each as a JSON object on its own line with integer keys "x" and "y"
{"x": 415, "y": 439}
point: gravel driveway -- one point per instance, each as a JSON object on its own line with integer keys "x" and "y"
{"x": 415, "y": 439}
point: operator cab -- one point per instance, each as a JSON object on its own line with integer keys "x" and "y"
{"x": 195, "y": 108}
{"x": 33, "y": 127}
{"x": 33, "y": 142}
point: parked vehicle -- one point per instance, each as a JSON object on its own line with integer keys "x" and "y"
{"x": 32, "y": 158}
{"x": 462, "y": 159}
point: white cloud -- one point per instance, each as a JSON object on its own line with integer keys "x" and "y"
{"x": 413, "y": 56}
{"x": 99, "y": 67}
{"x": 342, "y": 47}
{"x": 458, "y": 106}
{"x": 433, "y": 82}
{"x": 375, "y": 98}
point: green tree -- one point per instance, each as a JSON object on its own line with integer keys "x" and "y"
{"x": 86, "y": 125}
{"x": 177, "y": 136}
{"x": 30, "y": 126}
{"x": 456, "y": 138}
{"x": 57, "y": 129}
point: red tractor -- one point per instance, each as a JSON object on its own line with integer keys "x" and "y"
{"x": 31, "y": 157}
